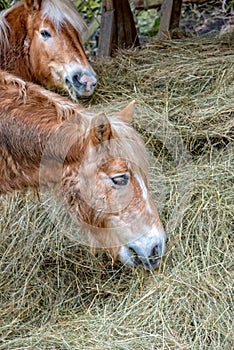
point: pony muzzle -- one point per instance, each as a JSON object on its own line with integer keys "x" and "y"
{"x": 150, "y": 262}
{"x": 148, "y": 255}
{"x": 81, "y": 84}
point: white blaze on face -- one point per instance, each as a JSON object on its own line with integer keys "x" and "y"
{"x": 145, "y": 194}
{"x": 151, "y": 239}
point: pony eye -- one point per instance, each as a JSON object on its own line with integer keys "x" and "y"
{"x": 120, "y": 180}
{"x": 45, "y": 34}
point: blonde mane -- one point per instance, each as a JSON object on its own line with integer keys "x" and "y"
{"x": 60, "y": 11}
{"x": 129, "y": 145}
{"x": 4, "y": 32}
{"x": 126, "y": 143}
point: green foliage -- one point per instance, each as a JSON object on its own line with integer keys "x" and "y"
{"x": 148, "y": 22}
{"x": 88, "y": 8}
{"x": 4, "y": 4}
{"x": 230, "y": 6}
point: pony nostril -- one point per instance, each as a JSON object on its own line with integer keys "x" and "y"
{"x": 84, "y": 80}
{"x": 93, "y": 84}
{"x": 140, "y": 257}
{"x": 155, "y": 252}
{"x": 135, "y": 258}
{"x": 76, "y": 79}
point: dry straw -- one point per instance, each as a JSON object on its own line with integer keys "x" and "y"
{"x": 56, "y": 294}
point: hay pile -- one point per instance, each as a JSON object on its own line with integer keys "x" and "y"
{"x": 56, "y": 295}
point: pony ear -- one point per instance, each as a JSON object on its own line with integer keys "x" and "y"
{"x": 32, "y": 5}
{"x": 127, "y": 113}
{"x": 100, "y": 129}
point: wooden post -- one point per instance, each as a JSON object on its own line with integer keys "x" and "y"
{"x": 118, "y": 30}
{"x": 107, "y": 28}
{"x": 175, "y": 16}
{"x": 170, "y": 17}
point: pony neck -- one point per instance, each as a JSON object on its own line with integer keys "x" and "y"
{"x": 34, "y": 126}
{"x": 15, "y": 55}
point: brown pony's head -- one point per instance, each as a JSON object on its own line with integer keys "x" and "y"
{"x": 56, "y": 55}
{"x": 108, "y": 192}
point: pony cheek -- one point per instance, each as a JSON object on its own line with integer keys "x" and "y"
{"x": 34, "y": 57}
{"x": 38, "y": 62}
{"x": 121, "y": 199}
{"x": 57, "y": 74}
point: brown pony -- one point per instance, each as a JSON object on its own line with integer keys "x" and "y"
{"x": 40, "y": 42}
{"x": 96, "y": 164}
